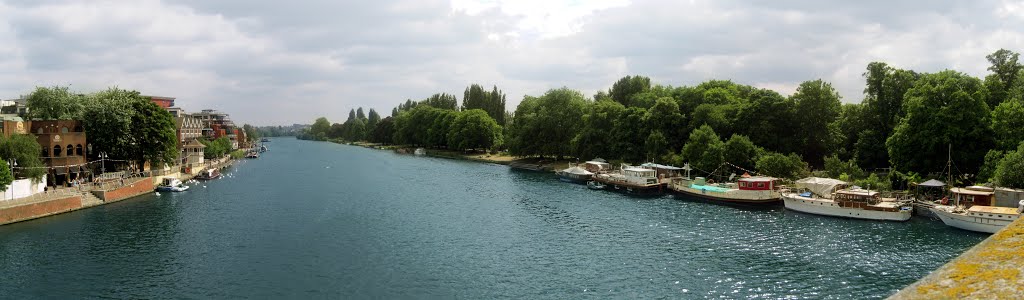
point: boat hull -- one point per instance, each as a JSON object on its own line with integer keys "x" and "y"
{"x": 830, "y": 208}
{"x": 573, "y": 178}
{"x": 971, "y": 223}
{"x": 173, "y": 189}
{"x": 767, "y": 199}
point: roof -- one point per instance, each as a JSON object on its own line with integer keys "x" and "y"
{"x": 932, "y": 183}
{"x": 663, "y": 167}
{"x": 861, "y": 192}
{"x": 757, "y": 179}
{"x": 993, "y": 210}
{"x": 970, "y": 192}
{"x": 637, "y": 169}
{"x": 194, "y": 144}
{"x": 11, "y": 117}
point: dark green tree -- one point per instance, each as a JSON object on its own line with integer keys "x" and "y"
{"x": 474, "y": 129}
{"x": 546, "y": 125}
{"x": 55, "y": 103}
{"x": 704, "y": 150}
{"x": 154, "y": 135}
{"x": 595, "y": 138}
{"x": 24, "y": 149}
{"x": 782, "y": 166}
{"x": 624, "y": 89}
{"x": 1008, "y": 123}
{"x": 1010, "y": 172}
{"x": 6, "y": 178}
{"x": 740, "y": 151}
{"x": 818, "y": 108}
{"x": 320, "y": 129}
{"x": 1005, "y": 71}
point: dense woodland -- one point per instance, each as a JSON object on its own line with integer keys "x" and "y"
{"x": 908, "y": 127}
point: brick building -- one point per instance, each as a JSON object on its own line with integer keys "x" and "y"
{"x": 64, "y": 146}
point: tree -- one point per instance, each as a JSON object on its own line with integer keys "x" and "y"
{"x": 656, "y": 145}
{"x": 359, "y": 114}
{"x": 107, "y": 117}
{"x": 988, "y": 169}
{"x": 320, "y": 129}
{"x": 371, "y": 122}
{"x": 943, "y": 109}
{"x": 546, "y": 125}
{"x": 818, "y": 108}
{"x": 1010, "y": 172}
{"x": 782, "y": 166}
{"x": 884, "y": 96}
{"x": 383, "y": 131}
{"x": 664, "y": 117}
{"x": 474, "y": 129}
{"x": 442, "y": 101}
{"x": 629, "y": 134}
{"x": 154, "y": 135}
{"x": 493, "y": 102}
{"x": 54, "y": 103}
{"x": 836, "y": 167}
{"x": 24, "y": 149}
{"x": 704, "y": 150}
{"x": 1008, "y": 123}
{"x": 623, "y": 90}
{"x": 1005, "y": 69}
{"x": 5, "y": 175}
{"x": 594, "y": 138}
{"x": 767, "y": 118}
{"x": 740, "y": 151}
{"x": 216, "y": 148}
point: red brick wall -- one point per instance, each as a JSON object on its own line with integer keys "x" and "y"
{"x": 42, "y": 209}
{"x": 138, "y": 188}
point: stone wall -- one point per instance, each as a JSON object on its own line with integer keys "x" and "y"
{"x": 139, "y": 187}
{"x": 39, "y": 209}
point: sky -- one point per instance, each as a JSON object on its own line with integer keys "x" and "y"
{"x": 285, "y": 62}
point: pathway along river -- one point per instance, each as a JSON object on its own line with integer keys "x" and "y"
{"x": 320, "y": 220}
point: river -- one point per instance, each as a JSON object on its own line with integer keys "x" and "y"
{"x": 321, "y": 220}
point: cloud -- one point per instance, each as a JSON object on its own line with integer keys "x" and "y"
{"x": 270, "y": 62}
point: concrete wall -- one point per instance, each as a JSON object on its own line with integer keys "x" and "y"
{"x": 1008, "y": 197}
{"x": 39, "y": 209}
{"x": 23, "y": 188}
{"x": 138, "y": 188}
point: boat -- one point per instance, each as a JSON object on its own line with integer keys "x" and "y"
{"x": 208, "y": 174}
{"x": 264, "y": 140}
{"x": 574, "y": 174}
{"x": 263, "y": 148}
{"x": 420, "y": 151}
{"x": 594, "y": 185}
{"x": 972, "y": 210}
{"x": 171, "y": 185}
{"x": 252, "y": 154}
{"x": 752, "y": 190}
{"x": 832, "y": 197}
{"x": 632, "y": 179}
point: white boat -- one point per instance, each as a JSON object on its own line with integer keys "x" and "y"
{"x": 171, "y": 185}
{"x": 574, "y": 174}
{"x": 594, "y": 185}
{"x": 420, "y": 151}
{"x": 978, "y": 218}
{"x": 830, "y": 197}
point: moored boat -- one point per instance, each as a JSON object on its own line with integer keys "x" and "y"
{"x": 264, "y": 140}
{"x": 208, "y": 174}
{"x": 831, "y": 197}
{"x": 633, "y": 180}
{"x": 971, "y": 210}
{"x": 594, "y": 185}
{"x": 171, "y": 185}
{"x": 574, "y": 174}
{"x": 754, "y": 190}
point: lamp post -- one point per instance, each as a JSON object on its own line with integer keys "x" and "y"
{"x": 103, "y": 165}
{"x": 12, "y": 163}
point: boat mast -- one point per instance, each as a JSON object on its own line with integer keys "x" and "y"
{"x": 949, "y": 174}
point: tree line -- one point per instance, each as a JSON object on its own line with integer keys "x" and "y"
{"x": 909, "y": 124}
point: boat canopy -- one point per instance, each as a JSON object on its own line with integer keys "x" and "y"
{"x": 821, "y": 186}
{"x": 932, "y": 183}
{"x": 577, "y": 170}
{"x": 663, "y": 167}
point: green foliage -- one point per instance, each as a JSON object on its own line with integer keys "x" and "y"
{"x": 474, "y": 129}
{"x": 767, "y": 119}
{"x": 216, "y": 148}
{"x": 320, "y": 129}
{"x": 1008, "y": 123}
{"x": 656, "y": 145}
{"x": 107, "y": 118}
{"x": 1010, "y": 172}
{"x": 704, "y": 150}
{"x": 630, "y": 133}
{"x": 710, "y": 115}
{"x": 546, "y": 125}
{"x": 24, "y": 149}
{"x": 624, "y": 89}
{"x": 988, "y": 169}
{"x": 836, "y": 167}
{"x": 442, "y": 101}
{"x": 251, "y": 132}
{"x": 383, "y": 131}
{"x": 817, "y": 108}
{"x": 740, "y": 151}
{"x": 665, "y": 118}
{"x": 595, "y": 138}
{"x": 1005, "y": 71}
{"x": 5, "y": 175}
{"x": 371, "y": 122}
{"x": 943, "y": 109}
{"x": 55, "y": 103}
{"x": 154, "y": 135}
{"x": 782, "y": 166}
{"x": 493, "y": 102}
{"x": 874, "y": 182}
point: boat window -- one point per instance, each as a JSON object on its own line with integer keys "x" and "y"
{"x": 743, "y": 184}
{"x": 760, "y": 184}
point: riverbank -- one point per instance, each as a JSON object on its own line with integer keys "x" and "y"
{"x": 528, "y": 163}
{"x": 68, "y": 199}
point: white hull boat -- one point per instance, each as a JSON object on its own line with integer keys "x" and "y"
{"x": 884, "y": 211}
{"x": 978, "y": 218}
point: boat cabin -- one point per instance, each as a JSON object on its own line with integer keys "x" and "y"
{"x": 857, "y": 195}
{"x": 597, "y": 166}
{"x": 757, "y": 183}
{"x": 973, "y": 195}
{"x": 663, "y": 171}
{"x": 641, "y": 176}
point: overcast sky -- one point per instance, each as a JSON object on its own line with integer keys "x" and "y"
{"x": 284, "y": 62}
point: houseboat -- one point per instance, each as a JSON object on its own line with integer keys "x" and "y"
{"x": 209, "y": 174}
{"x": 971, "y": 209}
{"x": 831, "y": 197}
{"x": 632, "y": 179}
{"x": 574, "y": 174}
{"x": 753, "y": 190}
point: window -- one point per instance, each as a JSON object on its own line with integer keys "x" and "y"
{"x": 78, "y": 150}
{"x": 760, "y": 184}
{"x": 56, "y": 151}
{"x": 743, "y": 184}
{"x": 63, "y": 130}
{"x": 71, "y": 150}
{"x": 39, "y": 130}
{"x": 46, "y": 152}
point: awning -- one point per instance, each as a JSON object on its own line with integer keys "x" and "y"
{"x": 932, "y": 183}
{"x": 663, "y": 167}
{"x": 821, "y": 186}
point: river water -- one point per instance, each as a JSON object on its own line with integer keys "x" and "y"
{"x": 320, "y": 220}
